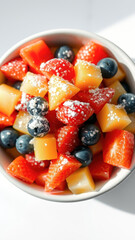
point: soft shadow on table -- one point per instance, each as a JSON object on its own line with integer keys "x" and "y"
{"x": 122, "y": 196}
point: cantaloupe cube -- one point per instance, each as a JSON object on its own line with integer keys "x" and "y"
{"x": 21, "y": 122}
{"x": 87, "y": 75}
{"x": 131, "y": 126}
{"x": 9, "y": 97}
{"x": 2, "y": 78}
{"x": 119, "y": 90}
{"x": 34, "y": 84}
{"x": 98, "y": 147}
{"x": 45, "y": 147}
{"x": 112, "y": 117}
{"x": 119, "y": 76}
{"x": 59, "y": 91}
{"x": 81, "y": 181}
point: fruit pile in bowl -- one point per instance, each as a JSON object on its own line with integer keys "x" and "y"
{"x": 67, "y": 116}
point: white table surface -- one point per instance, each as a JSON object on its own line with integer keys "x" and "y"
{"x": 112, "y": 215}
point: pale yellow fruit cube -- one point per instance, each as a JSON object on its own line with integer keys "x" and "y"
{"x": 119, "y": 90}
{"x": 119, "y": 76}
{"x": 21, "y": 122}
{"x": 131, "y": 126}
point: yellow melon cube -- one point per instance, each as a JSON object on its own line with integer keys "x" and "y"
{"x": 21, "y": 122}
{"x": 34, "y": 84}
{"x": 59, "y": 91}
{"x": 119, "y": 90}
{"x": 112, "y": 117}
{"x": 9, "y": 97}
{"x": 87, "y": 75}
{"x": 2, "y": 78}
{"x": 45, "y": 147}
{"x": 98, "y": 147}
{"x": 81, "y": 181}
{"x": 119, "y": 76}
{"x": 131, "y": 126}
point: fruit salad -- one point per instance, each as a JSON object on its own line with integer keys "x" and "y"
{"x": 67, "y": 116}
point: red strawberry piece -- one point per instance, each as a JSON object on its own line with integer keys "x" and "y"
{"x": 74, "y": 112}
{"x": 91, "y": 52}
{"x": 21, "y": 169}
{"x": 36, "y": 53}
{"x": 30, "y": 158}
{"x": 58, "y": 67}
{"x": 96, "y": 97}
{"x": 6, "y": 121}
{"x": 14, "y": 69}
{"x": 99, "y": 169}
{"x": 118, "y": 148}
{"x": 59, "y": 170}
{"x": 55, "y": 124}
{"x": 22, "y": 103}
{"x": 67, "y": 139}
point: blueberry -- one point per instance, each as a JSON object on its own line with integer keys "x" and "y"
{"x": 8, "y": 138}
{"x": 89, "y": 134}
{"x": 38, "y": 126}
{"x": 108, "y": 67}
{"x": 126, "y": 87}
{"x": 23, "y": 145}
{"x": 65, "y": 52}
{"x": 17, "y": 85}
{"x": 83, "y": 154}
{"x": 127, "y": 100}
{"x": 37, "y": 106}
{"x": 92, "y": 119}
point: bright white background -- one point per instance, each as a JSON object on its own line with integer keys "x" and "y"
{"x": 111, "y": 216}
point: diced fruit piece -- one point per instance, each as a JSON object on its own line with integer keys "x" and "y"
{"x": 83, "y": 154}
{"x": 15, "y": 69}
{"x": 58, "y": 67}
{"x": 23, "y": 101}
{"x": 55, "y": 124}
{"x": 131, "y": 126}
{"x": 119, "y": 90}
{"x": 59, "y": 170}
{"x": 45, "y": 148}
{"x": 34, "y": 84}
{"x": 87, "y": 75}
{"x": 2, "y": 78}
{"x": 23, "y": 144}
{"x": 112, "y": 117}
{"x": 38, "y": 126}
{"x": 91, "y": 52}
{"x": 118, "y": 148}
{"x": 36, "y": 53}
{"x": 65, "y": 52}
{"x": 21, "y": 122}
{"x": 37, "y": 106}
{"x": 8, "y": 138}
{"x": 59, "y": 91}
{"x": 98, "y": 147}
{"x": 9, "y": 97}
{"x": 6, "y": 121}
{"x": 119, "y": 76}
{"x": 99, "y": 169}
{"x": 127, "y": 100}
{"x": 89, "y": 134}
{"x": 74, "y": 112}
{"x": 81, "y": 181}
{"x": 96, "y": 97}
{"x": 21, "y": 169}
{"x": 67, "y": 139}
{"x": 30, "y": 158}
{"x": 108, "y": 66}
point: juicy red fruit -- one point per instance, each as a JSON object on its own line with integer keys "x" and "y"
{"x": 55, "y": 124}
{"x": 22, "y": 103}
{"x": 37, "y": 165}
{"x": 74, "y": 112}
{"x": 59, "y": 67}
{"x": 6, "y": 121}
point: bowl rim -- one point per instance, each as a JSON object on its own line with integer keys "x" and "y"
{"x": 72, "y": 197}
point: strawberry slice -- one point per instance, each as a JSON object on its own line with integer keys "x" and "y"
{"x": 14, "y": 69}
{"x": 99, "y": 169}
{"x": 118, "y": 148}
{"x": 67, "y": 139}
{"x": 91, "y": 52}
{"x": 74, "y": 112}
{"x": 6, "y": 121}
{"x": 53, "y": 121}
{"x": 36, "y": 53}
{"x": 96, "y": 97}
{"x": 21, "y": 169}
{"x": 59, "y": 170}
{"x": 30, "y": 158}
{"x": 22, "y": 103}
{"x": 58, "y": 67}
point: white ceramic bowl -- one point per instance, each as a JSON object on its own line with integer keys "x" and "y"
{"x": 74, "y": 38}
